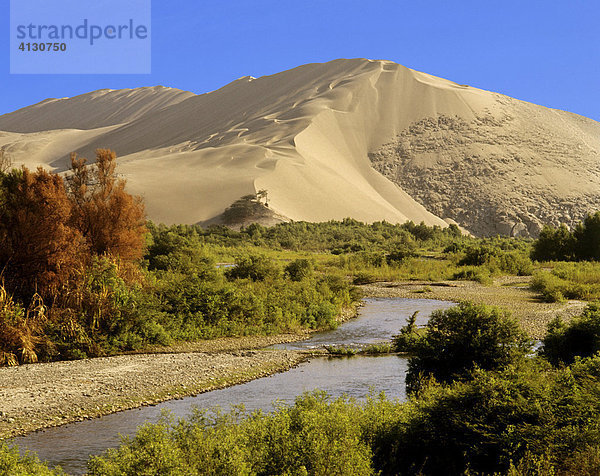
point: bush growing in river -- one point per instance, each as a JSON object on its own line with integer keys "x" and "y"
{"x": 406, "y": 340}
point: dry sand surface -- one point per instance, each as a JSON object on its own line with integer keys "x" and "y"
{"x": 329, "y": 141}
{"x": 509, "y": 292}
{"x": 41, "y": 395}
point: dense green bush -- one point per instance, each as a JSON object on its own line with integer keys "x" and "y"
{"x": 299, "y": 269}
{"x": 478, "y": 255}
{"x": 497, "y": 259}
{"x": 374, "y": 259}
{"x": 472, "y": 273}
{"x": 554, "y": 245}
{"x": 255, "y": 267}
{"x": 13, "y": 464}
{"x": 526, "y": 415}
{"x": 204, "y": 310}
{"x": 316, "y": 436}
{"x": 513, "y": 262}
{"x": 463, "y": 338}
{"x": 563, "y": 343}
{"x": 587, "y": 238}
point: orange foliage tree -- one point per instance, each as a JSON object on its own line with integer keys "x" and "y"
{"x": 39, "y": 250}
{"x": 51, "y": 232}
{"x": 111, "y": 220}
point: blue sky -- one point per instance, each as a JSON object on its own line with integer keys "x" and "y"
{"x": 543, "y": 52}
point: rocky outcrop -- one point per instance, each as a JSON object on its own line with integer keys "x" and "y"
{"x": 492, "y": 175}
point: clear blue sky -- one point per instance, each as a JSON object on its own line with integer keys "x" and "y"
{"x": 546, "y": 52}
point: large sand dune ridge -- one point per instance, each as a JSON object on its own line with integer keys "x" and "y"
{"x": 372, "y": 140}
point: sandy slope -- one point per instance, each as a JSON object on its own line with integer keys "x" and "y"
{"x": 104, "y": 107}
{"x": 308, "y": 136}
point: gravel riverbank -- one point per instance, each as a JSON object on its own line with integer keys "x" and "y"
{"x": 36, "y": 396}
{"x": 42, "y": 395}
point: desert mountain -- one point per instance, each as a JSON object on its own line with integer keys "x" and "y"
{"x": 368, "y": 139}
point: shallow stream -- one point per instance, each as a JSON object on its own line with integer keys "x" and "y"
{"x": 71, "y": 445}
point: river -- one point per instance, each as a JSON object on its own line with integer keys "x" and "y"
{"x": 71, "y": 445}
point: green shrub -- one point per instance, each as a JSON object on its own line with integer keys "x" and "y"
{"x": 375, "y": 259}
{"x": 409, "y": 335}
{"x": 569, "y": 281}
{"x": 462, "y": 338}
{"x": 497, "y": 259}
{"x": 377, "y": 348}
{"x": 478, "y": 255}
{"x": 401, "y": 252}
{"x": 299, "y": 269}
{"x": 587, "y": 238}
{"x": 525, "y": 416}
{"x": 554, "y": 245}
{"x": 315, "y": 436}
{"x": 513, "y": 262}
{"x": 549, "y": 286}
{"x": 580, "y": 338}
{"x": 363, "y": 277}
{"x": 13, "y": 464}
{"x": 560, "y": 244}
{"x": 341, "y": 350}
{"x": 254, "y": 267}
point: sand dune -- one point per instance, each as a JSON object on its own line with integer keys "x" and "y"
{"x": 368, "y": 139}
{"x": 105, "y": 107}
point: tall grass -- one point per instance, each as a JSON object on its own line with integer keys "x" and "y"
{"x": 568, "y": 280}
{"x": 21, "y": 329}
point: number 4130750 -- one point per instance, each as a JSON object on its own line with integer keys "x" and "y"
{"x": 43, "y": 47}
